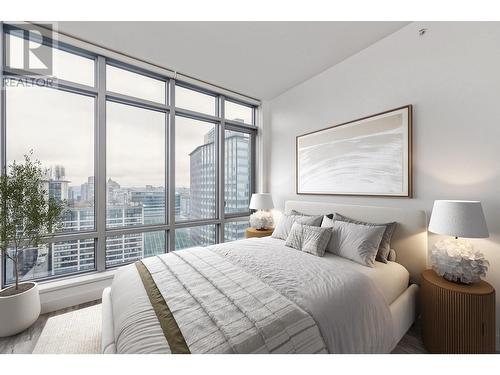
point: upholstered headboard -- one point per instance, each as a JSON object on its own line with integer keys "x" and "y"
{"x": 409, "y": 239}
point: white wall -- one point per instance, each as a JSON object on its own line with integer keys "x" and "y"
{"x": 451, "y": 75}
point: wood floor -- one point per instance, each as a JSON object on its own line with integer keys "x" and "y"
{"x": 25, "y": 342}
{"x": 411, "y": 343}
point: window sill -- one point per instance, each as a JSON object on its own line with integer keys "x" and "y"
{"x": 72, "y": 281}
{"x": 72, "y": 291}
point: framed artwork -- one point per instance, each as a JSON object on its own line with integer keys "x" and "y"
{"x": 371, "y": 156}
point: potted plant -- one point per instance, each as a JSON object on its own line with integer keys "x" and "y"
{"x": 27, "y": 217}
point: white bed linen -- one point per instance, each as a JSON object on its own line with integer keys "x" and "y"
{"x": 348, "y": 307}
{"x": 350, "y": 310}
{"x": 392, "y": 278}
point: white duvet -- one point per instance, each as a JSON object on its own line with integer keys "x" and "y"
{"x": 350, "y": 311}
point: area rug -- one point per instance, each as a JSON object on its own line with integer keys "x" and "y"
{"x": 74, "y": 332}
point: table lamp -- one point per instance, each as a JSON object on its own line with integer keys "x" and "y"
{"x": 261, "y": 219}
{"x": 453, "y": 258}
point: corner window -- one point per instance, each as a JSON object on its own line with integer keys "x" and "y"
{"x": 140, "y": 171}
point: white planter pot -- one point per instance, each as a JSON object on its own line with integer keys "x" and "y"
{"x": 19, "y": 311}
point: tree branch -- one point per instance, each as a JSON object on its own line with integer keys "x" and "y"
{"x": 8, "y": 256}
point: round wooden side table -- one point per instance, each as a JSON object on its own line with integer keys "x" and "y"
{"x": 457, "y": 318}
{"x": 252, "y": 232}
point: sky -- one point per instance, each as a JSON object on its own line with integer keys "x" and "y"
{"x": 59, "y": 126}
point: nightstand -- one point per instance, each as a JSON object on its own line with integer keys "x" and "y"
{"x": 457, "y": 318}
{"x": 252, "y": 232}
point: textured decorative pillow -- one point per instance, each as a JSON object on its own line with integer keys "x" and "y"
{"x": 286, "y": 221}
{"x": 385, "y": 244}
{"x": 310, "y": 239}
{"x": 357, "y": 242}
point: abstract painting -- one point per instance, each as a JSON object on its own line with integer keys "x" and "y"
{"x": 368, "y": 156}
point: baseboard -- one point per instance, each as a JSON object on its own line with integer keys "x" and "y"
{"x": 71, "y": 292}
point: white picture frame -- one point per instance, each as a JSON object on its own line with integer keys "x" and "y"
{"x": 371, "y": 156}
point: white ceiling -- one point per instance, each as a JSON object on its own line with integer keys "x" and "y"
{"x": 259, "y": 59}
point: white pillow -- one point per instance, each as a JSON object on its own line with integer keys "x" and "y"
{"x": 286, "y": 221}
{"x": 309, "y": 239}
{"x": 356, "y": 241}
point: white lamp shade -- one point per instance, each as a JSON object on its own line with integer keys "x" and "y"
{"x": 261, "y": 201}
{"x": 458, "y": 219}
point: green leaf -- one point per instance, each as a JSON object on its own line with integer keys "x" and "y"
{"x": 27, "y": 215}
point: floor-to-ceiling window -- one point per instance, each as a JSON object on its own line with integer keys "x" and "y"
{"x": 143, "y": 162}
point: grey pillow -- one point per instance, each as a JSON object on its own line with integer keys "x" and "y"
{"x": 295, "y": 212}
{"x": 285, "y": 224}
{"x": 357, "y": 242}
{"x": 312, "y": 240}
{"x": 392, "y": 255}
{"x": 327, "y": 221}
{"x": 385, "y": 244}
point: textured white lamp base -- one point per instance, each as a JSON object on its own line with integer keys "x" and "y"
{"x": 261, "y": 220}
{"x": 456, "y": 260}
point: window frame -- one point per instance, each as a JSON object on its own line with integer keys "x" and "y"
{"x": 101, "y": 96}
{"x": 199, "y": 90}
{"x": 241, "y": 103}
{"x": 133, "y": 99}
{"x": 253, "y": 139}
{"x": 3, "y": 140}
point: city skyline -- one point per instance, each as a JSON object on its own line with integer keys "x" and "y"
{"x": 144, "y": 205}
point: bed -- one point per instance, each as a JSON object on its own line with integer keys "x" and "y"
{"x": 260, "y": 296}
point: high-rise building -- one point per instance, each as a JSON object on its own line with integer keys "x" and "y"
{"x": 182, "y": 203}
{"x": 236, "y": 188}
{"x": 235, "y": 230}
{"x": 137, "y": 206}
{"x": 202, "y": 188}
{"x": 152, "y": 200}
{"x": 142, "y": 206}
{"x": 202, "y": 178}
{"x": 56, "y": 184}
{"x": 70, "y": 256}
{"x": 87, "y": 190}
{"x": 79, "y": 255}
{"x": 115, "y": 194}
{"x": 237, "y": 172}
{"x": 123, "y": 249}
{"x": 177, "y": 204}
